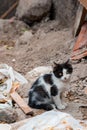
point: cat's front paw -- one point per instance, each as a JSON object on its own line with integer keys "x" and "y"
{"x": 65, "y": 104}
{"x": 61, "y": 107}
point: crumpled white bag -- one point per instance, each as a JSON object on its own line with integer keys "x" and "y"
{"x": 5, "y": 87}
{"x": 54, "y": 120}
{"x": 5, "y": 127}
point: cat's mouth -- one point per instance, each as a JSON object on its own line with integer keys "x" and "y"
{"x": 65, "y": 80}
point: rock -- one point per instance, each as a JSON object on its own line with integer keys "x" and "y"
{"x": 38, "y": 71}
{"x": 65, "y": 11}
{"x": 24, "y": 90}
{"x": 8, "y": 115}
{"x": 11, "y": 31}
{"x": 33, "y": 10}
{"x": 25, "y": 38}
{"x": 83, "y": 110}
{"x": 6, "y": 26}
{"x": 20, "y": 113}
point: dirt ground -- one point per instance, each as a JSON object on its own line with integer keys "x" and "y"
{"x": 47, "y": 42}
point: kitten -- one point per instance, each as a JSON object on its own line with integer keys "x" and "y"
{"x": 46, "y": 91}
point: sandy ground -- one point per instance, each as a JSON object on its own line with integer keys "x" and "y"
{"x": 48, "y": 42}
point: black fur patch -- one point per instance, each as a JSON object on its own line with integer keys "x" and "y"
{"x": 54, "y": 90}
{"x": 68, "y": 67}
{"x": 35, "y": 83}
{"x": 48, "y": 79}
{"x": 46, "y": 106}
{"x": 40, "y": 90}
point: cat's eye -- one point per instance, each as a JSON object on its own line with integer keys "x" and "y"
{"x": 60, "y": 74}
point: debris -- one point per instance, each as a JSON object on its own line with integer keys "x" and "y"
{"x": 9, "y": 30}
{"x": 25, "y": 38}
{"x": 71, "y": 96}
{"x": 26, "y": 109}
{"x": 53, "y": 120}
{"x": 9, "y": 80}
{"x": 13, "y": 60}
{"x": 83, "y": 110}
{"x": 80, "y": 47}
{"x": 8, "y": 115}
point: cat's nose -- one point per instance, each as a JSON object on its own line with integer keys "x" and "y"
{"x": 65, "y": 78}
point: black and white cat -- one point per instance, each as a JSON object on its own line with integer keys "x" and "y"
{"x": 46, "y": 91}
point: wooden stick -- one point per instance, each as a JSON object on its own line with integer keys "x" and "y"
{"x": 25, "y": 108}
{"x": 9, "y": 10}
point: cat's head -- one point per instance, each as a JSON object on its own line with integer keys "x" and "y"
{"x": 63, "y": 71}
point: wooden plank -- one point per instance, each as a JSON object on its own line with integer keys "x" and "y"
{"x": 25, "y": 108}
{"x": 84, "y": 3}
{"x": 79, "y": 49}
{"x": 80, "y": 18}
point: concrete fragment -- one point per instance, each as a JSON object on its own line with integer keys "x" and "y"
{"x": 25, "y": 38}
{"x": 8, "y": 115}
{"x": 33, "y": 10}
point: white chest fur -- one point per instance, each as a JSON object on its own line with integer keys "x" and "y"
{"x": 60, "y": 84}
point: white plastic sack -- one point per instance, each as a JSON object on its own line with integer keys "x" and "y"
{"x": 5, "y": 127}
{"x": 5, "y": 87}
{"x": 54, "y": 120}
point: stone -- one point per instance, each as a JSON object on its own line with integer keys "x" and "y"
{"x": 25, "y": 38}
{"x": 24, "y": 90}
{"x": 38, "y": 71}
{"x": 65, "y": 11}
{"x": 10, "y": 32}
{"x": 33, "y": 10}
{"x": 8, "y": 115}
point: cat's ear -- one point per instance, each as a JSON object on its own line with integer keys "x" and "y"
{"x": 54, "y": 64}
{"x": 68, "y": 61}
